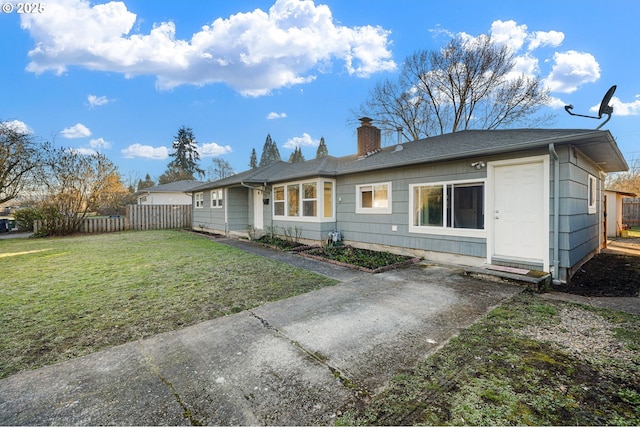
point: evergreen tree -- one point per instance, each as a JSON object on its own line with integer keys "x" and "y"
{"x": 323, "y": 151}
{"x": 253, "y": 160}
{"x": 296, "y": 156}
{"x": 185, "y": 156}
{"x": 148, "y": 182}
{"x": 270, "y": 152}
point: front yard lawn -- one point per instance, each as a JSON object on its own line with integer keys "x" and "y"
{"x": 62, "y": 298}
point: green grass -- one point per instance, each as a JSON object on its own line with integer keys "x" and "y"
{"x": 495, "y": 374}
{"x": 61, "y": 298}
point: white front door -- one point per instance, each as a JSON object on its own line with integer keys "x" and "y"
{"x": 258, "y": 206}
{"x": 520, "y": 214}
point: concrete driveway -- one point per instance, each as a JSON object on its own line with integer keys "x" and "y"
{"x": 296, "y": 361}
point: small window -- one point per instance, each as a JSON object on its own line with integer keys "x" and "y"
{"x": 328, "y": 199}
{"x": 592, "y": 196}
{"x": 278, "y": 200}
{"x": 216, "y": 199}
{"x": 293, "y": 200}
{"x": 199, "y": 198}
{"x": 374, "y": 198}
{"x": 309, "y": 199}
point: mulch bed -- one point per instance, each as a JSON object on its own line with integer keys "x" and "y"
{"x": 608, "y": 274}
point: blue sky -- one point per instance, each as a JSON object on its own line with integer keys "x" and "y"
{"x": 121, "y": 77}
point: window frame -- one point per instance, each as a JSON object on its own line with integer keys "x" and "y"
{"x": 592, "y": 194}
{"x": 374, "y": 210}
{"x": 444, "y": 229}
{"x": 217, "y": 200}
{"x": 319, "y": 200}
{"x": 198, "y": 199}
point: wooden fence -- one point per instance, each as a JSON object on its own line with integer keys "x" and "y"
{"x": 631, "y": 211}
{"x": 138, "y": 217}
{"x": 154, "y": 217}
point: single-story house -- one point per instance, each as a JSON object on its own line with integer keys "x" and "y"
{"x": 528, "y": 198}
{"x": 173, "y": 193}
{"x": 613, "y": 211}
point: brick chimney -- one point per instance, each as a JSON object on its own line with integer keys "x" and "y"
{"x": 368, "y": 137}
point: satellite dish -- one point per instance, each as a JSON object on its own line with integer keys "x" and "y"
{"x": 605, "y": 108}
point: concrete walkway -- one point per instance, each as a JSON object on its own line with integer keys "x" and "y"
{"x": 296, "y": 361}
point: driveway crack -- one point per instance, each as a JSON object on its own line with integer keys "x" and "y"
{"x": 186, "y": 411}
{"x": 358, "y": 390}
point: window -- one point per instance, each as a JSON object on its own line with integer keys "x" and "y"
{"x": 306, "y": 200}
{"x": 278, "y": 200}
{"x": 199, "y": 198}
{"x": 309, "y": 199}
{"x": 293, "y": 200}
{"x": 328, "y": 199}
{"x": 447, "y": 206}
{"x": 592, "y": 196}
{"x": 373, "y": 198}
{"x": 216, "y": 198}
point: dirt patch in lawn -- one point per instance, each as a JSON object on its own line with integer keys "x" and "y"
{"x": 614, "y": 272}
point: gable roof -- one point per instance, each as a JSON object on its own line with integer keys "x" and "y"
{"x": 172, "y": 187}
{"x": 599, "y": 145}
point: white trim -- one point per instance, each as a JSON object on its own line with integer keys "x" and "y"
{"x": 319, "y": 201}
{"x": 199, "y": 201}
{"x": 220, "y": 198}
{"x": 592, "y": 190}
{"x": 444, "y": 230}
{"x": 490, "y": 205}
{"x": 373, "y": 210}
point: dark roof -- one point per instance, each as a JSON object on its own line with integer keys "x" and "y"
{"x": 172, "y": 187}
{"x": 598, "y": 145}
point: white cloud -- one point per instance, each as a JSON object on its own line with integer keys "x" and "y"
{"x": 273, "y": 115}
{"x": 301, "y": 141}
{"x": 85, "y": 151}
{"x": 213, "y": 150}
{"x": 572, "y": 69}
{"x": 568, "y": 70}
{"x": 253, "y": 52}
{"x": 545, "y": 38}
{"x": 17, "y": 126}
{"x": 76, "y": 131}
{"x": 96, "y": 101}
{"x": 99, "y": 143}
{"x": 145, "y": 152}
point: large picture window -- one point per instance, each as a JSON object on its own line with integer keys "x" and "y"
{"x": 447, "y": 206}
{"x": 373, "y": 198}
{"x": 306, "y": 201}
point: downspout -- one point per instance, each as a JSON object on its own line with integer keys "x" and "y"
{"x": 556, "y": 213}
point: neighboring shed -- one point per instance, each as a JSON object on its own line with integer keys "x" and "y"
{"x": 614, "y": 211}
{"x": 173, "y": 193}
{"x": 529, "y": 198}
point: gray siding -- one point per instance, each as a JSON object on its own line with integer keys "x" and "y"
{"x": 579, "y": 230}
{"x": 376, "y": 229}
{"x": 206, "y": 217}
{"x": 238, "y": 208}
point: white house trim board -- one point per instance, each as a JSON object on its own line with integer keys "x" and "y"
{"x": 517, "y": 217}
{"x": 258, "y": 209}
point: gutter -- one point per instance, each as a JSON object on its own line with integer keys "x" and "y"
{"x": 556, "y": 213}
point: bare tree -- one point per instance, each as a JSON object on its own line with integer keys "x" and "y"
{"x": 74, "y": 185}
{"x": 19, "y": 157}
{"x": 219, "y": 169}
{"x": 468, "y": 84}
{"x": 628, "y": 181}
